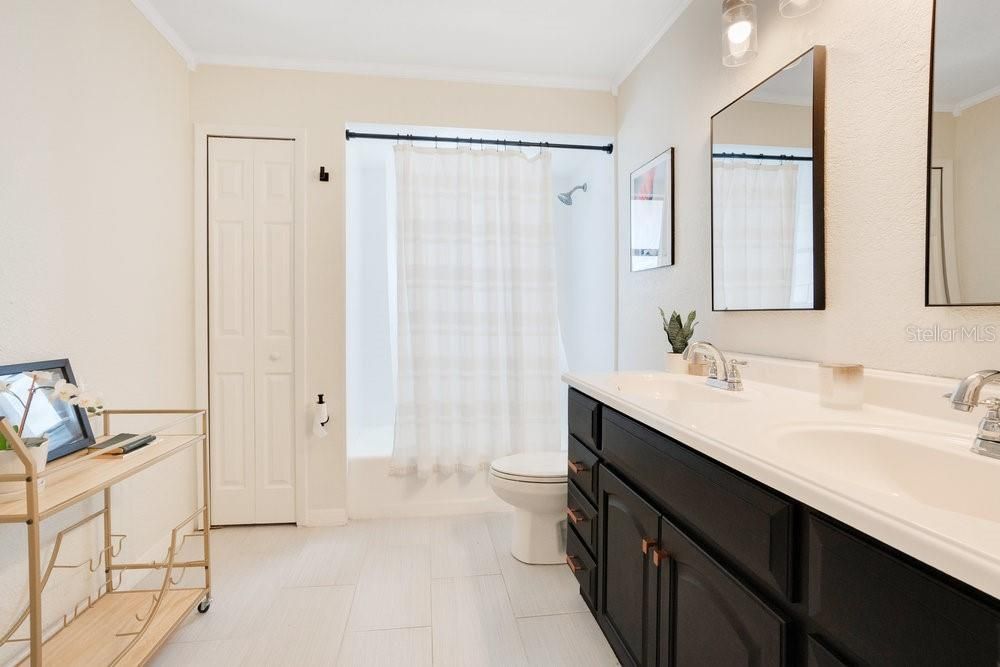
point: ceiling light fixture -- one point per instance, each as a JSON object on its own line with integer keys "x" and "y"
{"x": 791, "y": 9}
{"x": 739, "y": 32}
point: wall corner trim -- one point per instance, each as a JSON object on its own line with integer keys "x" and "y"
{"x": 641, "y": 55}
{"x": 156, "y": 19}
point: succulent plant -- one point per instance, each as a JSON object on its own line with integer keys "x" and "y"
{"x": 678, "y": 332}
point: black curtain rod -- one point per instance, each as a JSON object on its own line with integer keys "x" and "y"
{"x": 482, "y": 142}
{"x": 761, "y": 156}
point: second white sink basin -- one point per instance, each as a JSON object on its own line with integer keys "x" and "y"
{"x": 934, "y": 469}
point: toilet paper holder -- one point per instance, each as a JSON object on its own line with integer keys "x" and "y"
{"x": 320, "y": 401}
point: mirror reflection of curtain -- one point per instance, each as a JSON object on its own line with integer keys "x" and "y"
{"x": 762, "y": 234}
{"x": 942, "y": 262}
{"x": 477, "y": 335}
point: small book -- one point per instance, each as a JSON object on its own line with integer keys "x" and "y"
{"x": 123, "y": 443}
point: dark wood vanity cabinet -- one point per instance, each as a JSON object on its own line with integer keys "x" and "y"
{"x": 696, "y": 564}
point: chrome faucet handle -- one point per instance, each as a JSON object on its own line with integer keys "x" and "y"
{"x": 734, "y": 365}
{"x": 735, "y": 379}
{"x": 713, "y": 369}
{"x": 988, "y": 439}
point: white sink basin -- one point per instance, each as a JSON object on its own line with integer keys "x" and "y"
{"x": 934, "y": 469}
{"x": 672, "y": 387}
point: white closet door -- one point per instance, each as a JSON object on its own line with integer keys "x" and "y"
{"x": 274, "y": 299}
{"x": 251, "y": 332}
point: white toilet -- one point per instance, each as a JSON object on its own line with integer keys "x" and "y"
{"x": 535, "y": 484}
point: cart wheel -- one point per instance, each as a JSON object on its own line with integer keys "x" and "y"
{"x": 204, "y": 605}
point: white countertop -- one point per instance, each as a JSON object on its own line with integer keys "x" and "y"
{"x": 940, "y": 504}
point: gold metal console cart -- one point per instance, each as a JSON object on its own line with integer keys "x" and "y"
{"x": 112, "y": 626}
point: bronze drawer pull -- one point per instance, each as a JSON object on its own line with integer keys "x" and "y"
{"x": 660, "y": 555}
{"x": 574, "y": 515}
{"x": 576, "y": 468}
{"x": 573, "y": 563}
{"x": 647, "y": 544}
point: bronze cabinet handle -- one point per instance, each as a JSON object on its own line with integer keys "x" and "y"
{"x": 573, "y": 563}
{"x": 660, "y": 555}
{"x": 576, "y": 468}
{"x": 574, "y": 515}
{"x": 647, "y": 544}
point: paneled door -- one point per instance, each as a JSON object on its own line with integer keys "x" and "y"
{"x": 627, "y": 536}
{"x": 706, "y": 616}
{"x": 251, "y": 323}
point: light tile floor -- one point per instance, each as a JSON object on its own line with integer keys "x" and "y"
{"x": 420, "y": 592}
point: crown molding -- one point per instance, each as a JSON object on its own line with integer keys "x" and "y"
{"x": 156, "y": 19}
{"x": 641, "y": 55}
{"x": 407, "y": 72}
{"x": 773, "y": 98}
{"x": 970, "y": 102}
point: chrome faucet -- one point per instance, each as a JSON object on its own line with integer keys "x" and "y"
{"x": 731, "y": 379}
{"x": 966, "y": 397}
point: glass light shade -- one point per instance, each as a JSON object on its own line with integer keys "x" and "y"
{"x": 739, "y": 32}
{"x": 793, "y": 8}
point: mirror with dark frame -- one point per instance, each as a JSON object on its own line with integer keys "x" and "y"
{"x": 963, "y": 200}
{"x": 767, "y": 193}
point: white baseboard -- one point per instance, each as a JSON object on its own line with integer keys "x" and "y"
{"x": 333, "y": 516}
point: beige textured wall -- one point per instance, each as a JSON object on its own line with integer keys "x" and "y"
{"x": 943, "y": 142}
{"x": 322, "y": 104}
{"x": 764, "y": 124}
{"x": 95, "y": 212}
{"x": 876, "y": 139}
{"x": 977, "y": 200}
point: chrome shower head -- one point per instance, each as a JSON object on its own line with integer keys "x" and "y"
{"x": 567, "y": 197}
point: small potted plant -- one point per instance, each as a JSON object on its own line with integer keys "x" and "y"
{"x": 678, "y": 335}
{"x": 38, "y": 447}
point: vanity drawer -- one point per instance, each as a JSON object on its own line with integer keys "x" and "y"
{"x": 744, "y": 521}
{"x": 885, "y": 609}
{"x": 585, "y": 419}
{"x": 583, "y": 566}
{"x": 582, "y": 517}
{"x": 582, "y": 464}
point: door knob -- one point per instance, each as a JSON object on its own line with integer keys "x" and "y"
{"x": 577, "y": 468}
{"x": 573, "y": 563}
{"x": 660, "y": 555}
{"x": 647, "y": 544}
{"x": 574, "y": 515}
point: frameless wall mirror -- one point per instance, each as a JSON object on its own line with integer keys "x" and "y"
{"x": 767, "y": 192}
{"x": 651, "y": 213}
{"x": 963, "y": 197}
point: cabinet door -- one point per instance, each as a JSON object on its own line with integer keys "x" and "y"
{"x": 882, "y": 609}
{"x": 708, "y": 617}
{"x": 627, "y": 593}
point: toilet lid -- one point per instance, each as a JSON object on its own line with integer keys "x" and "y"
{"x": 532, "y": 467}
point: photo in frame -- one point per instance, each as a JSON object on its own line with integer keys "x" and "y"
{"x": 651, "y": 213}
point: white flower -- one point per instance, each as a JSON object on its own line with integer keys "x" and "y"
{"x": 65, "y": 391}
{"x": 41, "y": 377}
{"x": 92, "y": 403}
